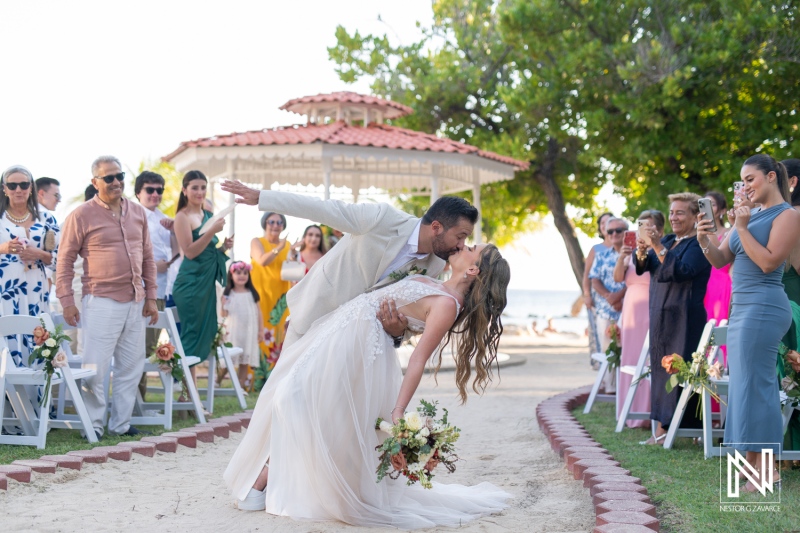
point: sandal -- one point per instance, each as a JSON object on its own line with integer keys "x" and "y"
{"x": 653, "y": 441}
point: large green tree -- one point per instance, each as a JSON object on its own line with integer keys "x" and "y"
{"x": 661, "y": 96}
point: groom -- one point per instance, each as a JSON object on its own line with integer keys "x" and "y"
{"x": 381, "y": 245}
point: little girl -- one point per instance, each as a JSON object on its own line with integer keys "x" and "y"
{"x": 243, "y": 318}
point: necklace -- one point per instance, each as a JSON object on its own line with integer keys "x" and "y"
{"x": 679, "y": 239}
{"x": 16, "y": 220}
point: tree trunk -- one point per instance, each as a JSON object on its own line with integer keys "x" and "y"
{"x": 545, "y": 176}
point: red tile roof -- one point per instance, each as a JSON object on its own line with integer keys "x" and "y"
{"x": 347, "y": 97}
{"x": 375, "y": 135}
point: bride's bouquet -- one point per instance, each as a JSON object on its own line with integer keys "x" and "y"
{"x": 417, "y": 445}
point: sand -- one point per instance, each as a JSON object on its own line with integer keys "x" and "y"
{"x": 500, "y": 443}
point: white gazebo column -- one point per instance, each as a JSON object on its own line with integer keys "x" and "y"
{"x": 477, "y": 235}
{"x": 231, "y": 200}
{"x": 327, "y": 165}
{"x": 434, "y": 183}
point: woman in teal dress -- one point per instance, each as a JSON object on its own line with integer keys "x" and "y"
{"x": 195, "y": 291}
{"x": 760, "y": 242}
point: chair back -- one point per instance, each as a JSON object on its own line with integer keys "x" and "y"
{"x": 18, "y": 326}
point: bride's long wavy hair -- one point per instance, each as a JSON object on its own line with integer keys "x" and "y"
{"x": 476, "y": 332}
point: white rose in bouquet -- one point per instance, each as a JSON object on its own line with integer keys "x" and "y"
{"x": 424, "y": 432}
{"x": 413, "y": 421}
{"x": 50, "y": 342}
{"x": 46, "y": 352}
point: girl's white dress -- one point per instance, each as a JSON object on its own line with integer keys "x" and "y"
{"x": 315, "y": 421}
{"x": 243, "y": 327}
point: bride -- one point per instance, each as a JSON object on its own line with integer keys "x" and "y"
{"x": 309, "y": 452}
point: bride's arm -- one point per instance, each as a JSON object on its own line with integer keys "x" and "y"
{"x": 441, "y": 317}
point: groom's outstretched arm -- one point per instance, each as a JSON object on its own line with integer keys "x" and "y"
{"x": 356, "y": 219}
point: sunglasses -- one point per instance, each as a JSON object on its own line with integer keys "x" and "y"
{"x": 275, "y": 222}
{"x": 616, "y": 230}
{"x": 151, "y": 190}
{"x": 25, "y": 185}
{"x": 110, "y": 179}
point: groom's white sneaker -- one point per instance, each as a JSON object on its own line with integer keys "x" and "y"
{"x": 256, "y": 500}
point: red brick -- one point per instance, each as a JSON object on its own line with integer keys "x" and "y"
{"x": 163, "y": 444}
{"x": 245, "y": 419}
{"x": 625, "y": 505}
{"x": 565, "y": 441}
{"x": 90, "y": 456}
{"x": 584, "y": 449}
{"x": 617, "y": 495}
{"x": 628, "y": 517}
{"x": 563, "y": 445}
{"x": 590, "y": 482}
{"x": 118, "y": 453}
{"x": 622, "y": 528}
{"x": 595, "y": 471}
{"x": 65, "y": 461}
{"x": 603, "y": 487}
{"x": 185, "y": 438}
{"x": 580, "y": 466}
{"x": 573, "y": 458}
{"x": 148, "y": 449}
{"x": 38, "y": 465}
{"x": 204, "y": 434}
{"x": 17, "y": 472}
{"x": 234, "y": 422}
{"x": 248, "y": 411}
{"x": 3, "y": 482}
{"x": 221, "y": 429}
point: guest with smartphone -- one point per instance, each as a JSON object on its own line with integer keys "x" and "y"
{"x": 678, "y": 279}
{"x": 607, "y": 293}
{"x": 760, "y": 242}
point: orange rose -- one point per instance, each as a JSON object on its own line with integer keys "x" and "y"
{"x": 165, "y": 352}
{"x": 668, "y": 362}
{"x": 40, "y": 335}
{"x": 794, "y": 359}
{"x": 399, "y": 462}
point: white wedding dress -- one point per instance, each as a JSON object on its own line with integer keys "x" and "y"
{"x": 315, "y": 421}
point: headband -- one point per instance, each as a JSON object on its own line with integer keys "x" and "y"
{"x": 239, "y": 265}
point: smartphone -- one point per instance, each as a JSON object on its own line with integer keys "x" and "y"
{"x": 705, "y": 207}
{"x": 644, "y": 227}
{"x": 630, "y": 239}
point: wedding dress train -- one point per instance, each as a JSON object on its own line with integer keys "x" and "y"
{"x": 315, "y": 420}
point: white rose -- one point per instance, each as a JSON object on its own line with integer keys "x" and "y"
{"x": 386, "y": 427}
{"x": 422, "y": 439}
{"x": 46, "y": 352}
{"x": 50, "y": 342}
{"x": 424, "y": 432}
{"x": 413, "y": 421}
{"x": 60, "y": 360}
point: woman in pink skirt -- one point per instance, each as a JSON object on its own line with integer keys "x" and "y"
{"x": 718, "y": 293}
{"x": 635, "y": 321}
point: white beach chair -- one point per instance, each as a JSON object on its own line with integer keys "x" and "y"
{"x": 595, "y": 396}
{"x": 708, "y": 432}
{"x": 18, "y": 383}
{"x": 636, "y": 372}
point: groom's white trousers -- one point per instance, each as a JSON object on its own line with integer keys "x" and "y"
{"x": 112, "y": 329}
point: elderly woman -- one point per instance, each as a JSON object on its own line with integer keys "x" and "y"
{"x": 678, "y": 278}
{"x": 267, "y": 254}
{"x": 28, "y": 243}
{"x": 594, "y": 340}
{"x": 760, "y": 242}
{"x": 607, "y": 293}
{"x": 634, "y": 323}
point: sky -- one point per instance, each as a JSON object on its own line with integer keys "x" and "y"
{"x": 135, "y": 79}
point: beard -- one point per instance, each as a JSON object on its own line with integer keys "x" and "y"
{"x": 440, "y": 248}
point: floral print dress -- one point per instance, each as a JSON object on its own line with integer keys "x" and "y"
{"x": 24, "y": 288}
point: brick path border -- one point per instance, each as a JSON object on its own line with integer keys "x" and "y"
{"x": 20, "y": 471}
{"x": 620, "y": 502}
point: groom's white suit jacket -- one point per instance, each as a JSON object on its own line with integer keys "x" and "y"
{"x": 375, "y": 235}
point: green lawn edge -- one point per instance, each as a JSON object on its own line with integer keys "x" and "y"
{"x": 684, "y": 486}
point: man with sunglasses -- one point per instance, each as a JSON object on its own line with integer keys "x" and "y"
{"x": 149, "y": 190}
{"x": 49, "y": 192}
{"x": 111, "y": 234}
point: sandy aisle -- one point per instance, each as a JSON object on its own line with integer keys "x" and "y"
{"x": 500, "y": 443}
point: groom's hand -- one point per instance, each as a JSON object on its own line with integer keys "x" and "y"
{"x": 245, "y": 194}
{"x": 394, "y": 323}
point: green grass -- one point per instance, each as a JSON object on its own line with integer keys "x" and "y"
{"x": 684, "y": 486}
{"x": 61, "y": 441}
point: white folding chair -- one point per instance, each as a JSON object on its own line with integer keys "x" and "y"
{"x": 636, "y": 373}
{"x": 595, "y": 396}
{"x": 18, "y": 382}
{"x": 708, "y": 432}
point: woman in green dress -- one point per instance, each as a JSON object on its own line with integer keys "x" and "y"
{"x": 195, "y": 291}
{"x": 791, "y": 284}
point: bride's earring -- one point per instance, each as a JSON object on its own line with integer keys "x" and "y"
{"x": 465, "y": 275}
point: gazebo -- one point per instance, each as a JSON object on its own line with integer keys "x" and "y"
{"x": 345, "y": 143}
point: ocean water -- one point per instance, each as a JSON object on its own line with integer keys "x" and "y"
{"x": 525, "y": 306}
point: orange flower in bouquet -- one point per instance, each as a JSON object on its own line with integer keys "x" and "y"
{"x": 40, "y": 335}
{"x": 165, "y": 352}
{"x": 671, "y": 364}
